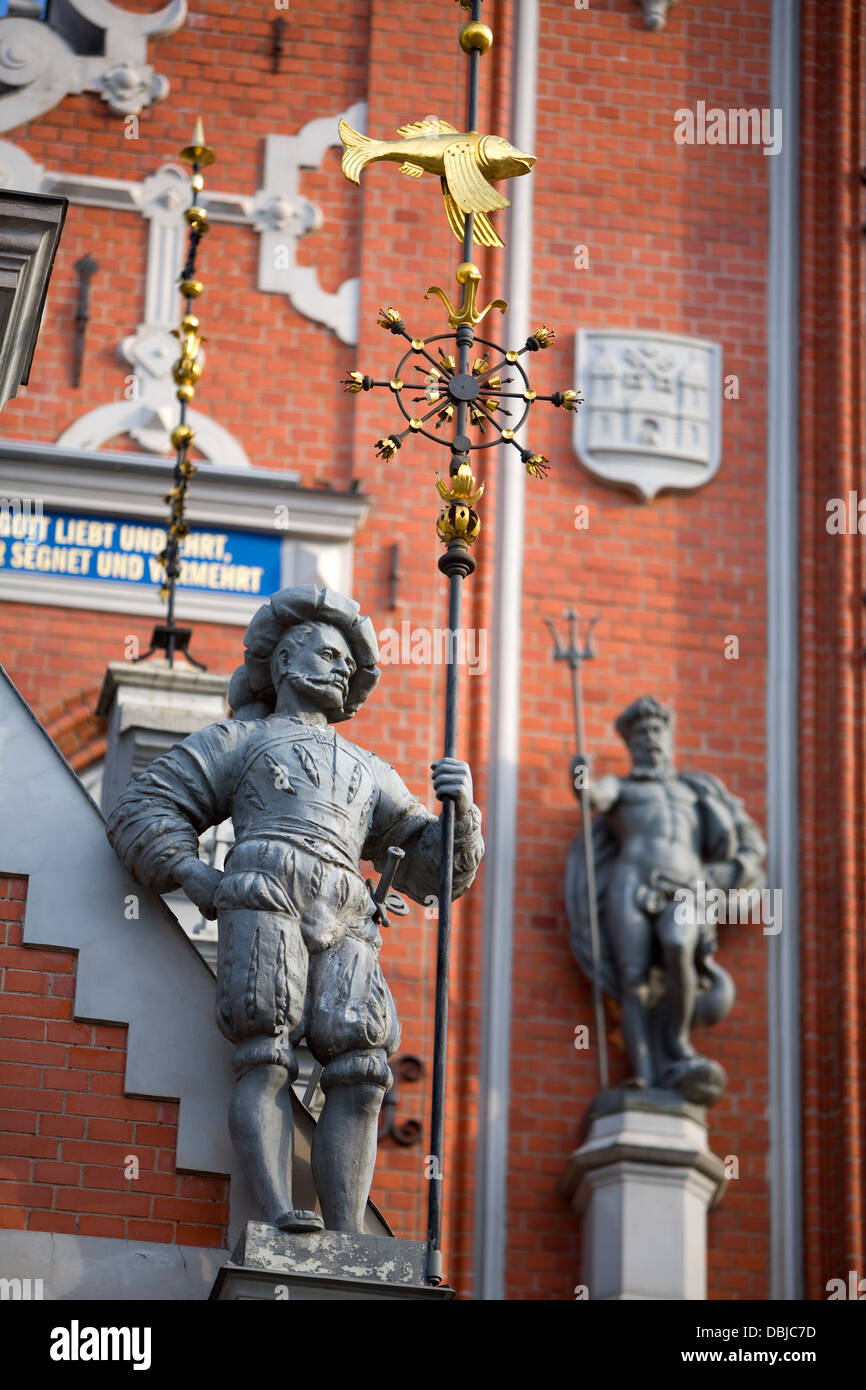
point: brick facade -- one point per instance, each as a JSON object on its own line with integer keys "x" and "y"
{"x": 677, "y": 239}
{"x": 833, "y": 581}
{"x": 69, "y": 1133}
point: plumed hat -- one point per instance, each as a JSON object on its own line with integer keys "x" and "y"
{"x": 646, "y": 707}
{"x": 251, "y": 692}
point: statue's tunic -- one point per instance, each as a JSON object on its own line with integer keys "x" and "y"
{"x": 297, "y": 945}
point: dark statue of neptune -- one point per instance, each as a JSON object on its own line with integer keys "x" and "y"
{"x": 298, "y": 928}
{"x": 661, "y": 839}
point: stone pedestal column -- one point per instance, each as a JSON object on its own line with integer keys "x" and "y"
{"x": 150, "y": 706}
{"x": 643, "y": 1181}
{"x": 270, "y": 1265}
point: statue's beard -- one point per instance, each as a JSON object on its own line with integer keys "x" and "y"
{"x": 651, "y": 763}
{"x": 323, "y": 692}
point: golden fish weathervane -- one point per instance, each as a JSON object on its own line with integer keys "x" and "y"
{"x": 467, "y": 165}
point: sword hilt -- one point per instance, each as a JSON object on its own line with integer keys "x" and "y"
{"x": 379, "y": 894}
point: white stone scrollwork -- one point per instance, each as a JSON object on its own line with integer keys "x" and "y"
{"x": 45, "y": 60}
{"x": 148, "y": 412}
{"x": 278, "y": 212}
{"x": 281, "y": 215}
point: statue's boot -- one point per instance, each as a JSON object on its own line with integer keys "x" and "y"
{"x": 697, "y": 1079}
{"x": 261, "y": 1125}
{"x": 299, "y": 1220}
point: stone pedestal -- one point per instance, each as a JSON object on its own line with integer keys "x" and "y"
{"x": 277, "y": 1266}
{"x": 643, "y": 1181}
{"x": 150, "y": 706}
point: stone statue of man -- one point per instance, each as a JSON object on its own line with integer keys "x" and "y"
{"x": 298, "y": 940}
{"x": 660, "y": 833}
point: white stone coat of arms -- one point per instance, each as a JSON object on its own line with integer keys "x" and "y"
{"x": 652, "y": 416}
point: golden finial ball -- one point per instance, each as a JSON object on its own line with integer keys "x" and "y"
{"x": 182, "y": 436}
{"x": 466, "y": 271}
{"x": 476, "y": 35}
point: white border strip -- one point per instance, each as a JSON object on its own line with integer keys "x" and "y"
{"x": 783, "y": 982}
{"x": 491, "y": 1182}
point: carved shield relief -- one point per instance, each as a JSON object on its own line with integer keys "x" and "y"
{"x": 651, "y": 418}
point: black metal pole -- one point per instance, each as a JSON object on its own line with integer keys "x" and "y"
{"x": 589, "y": 853}
{"x": 457, "y": 563}
{"x": 456, "y": 559}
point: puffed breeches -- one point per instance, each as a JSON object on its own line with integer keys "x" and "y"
{"x": 272, "y": 992}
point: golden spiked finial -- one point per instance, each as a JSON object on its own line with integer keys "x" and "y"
{"x": 198, "y": 153}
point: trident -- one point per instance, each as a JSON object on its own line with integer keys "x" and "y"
{"x": 575, "y": 656}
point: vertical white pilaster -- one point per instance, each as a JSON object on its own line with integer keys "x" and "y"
{"x": 783, "y": 982}
{"x": 491, "y": 1187}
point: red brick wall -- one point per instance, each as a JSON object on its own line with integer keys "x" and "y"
{"x": 677, "y": 237}
{"x": 833, "y": 578}
{"x": 67, "y": 1128}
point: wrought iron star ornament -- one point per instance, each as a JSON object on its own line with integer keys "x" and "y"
{"x": 479, "y": 387}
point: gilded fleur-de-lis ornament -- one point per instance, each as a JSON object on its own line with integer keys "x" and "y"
{"x": 469, "y": 276}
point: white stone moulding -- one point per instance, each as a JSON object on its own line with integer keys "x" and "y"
{"x": 280, "y": 215}
{"x": 109, "y": 1268}
{"x": 278, "y": 212}
{"x": 317, "y": 544}
{"x": 45, "y": 60}
{"x": 30, "y": 228}
{"x": 651, "y": 418}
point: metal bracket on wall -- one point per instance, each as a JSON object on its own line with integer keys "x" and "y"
{"x": 85, "y": 268}
{"x": 278, "y": 34}
{"x": 408, "y": 1132}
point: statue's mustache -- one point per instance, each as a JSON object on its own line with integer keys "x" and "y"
{"x": 303, "y": 678}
